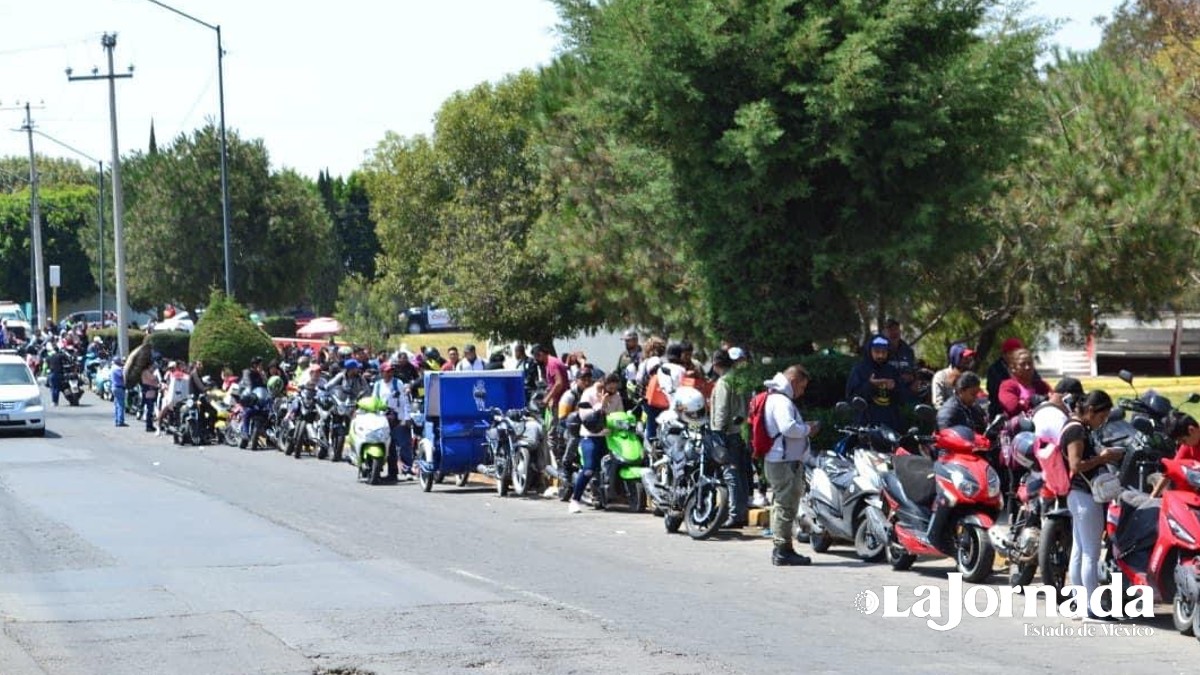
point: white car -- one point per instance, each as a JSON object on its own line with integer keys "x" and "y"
{"x": 21, "y": 404}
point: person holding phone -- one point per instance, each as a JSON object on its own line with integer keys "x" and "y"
{"x": 1085, "y": 461}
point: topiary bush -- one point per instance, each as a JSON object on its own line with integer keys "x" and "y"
{"x": 829, "y": 371}
{"x": 279, "y": 326}
{"x": 173, "y": 345}
{"x": 109, "y": 336}
{"x": 225, "y": 336}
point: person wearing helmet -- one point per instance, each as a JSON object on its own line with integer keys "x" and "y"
{"x": 350, "y": 380}
{"x": 963, "y": 408}
{"x": 597, "y": 401}
{"x": 784, "y": 464}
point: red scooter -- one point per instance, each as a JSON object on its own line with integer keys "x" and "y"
{"x": 944, "y": 508}
{"x": 1156, "y": 542}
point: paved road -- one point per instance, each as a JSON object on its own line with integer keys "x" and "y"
{"x": 122, "y": 554}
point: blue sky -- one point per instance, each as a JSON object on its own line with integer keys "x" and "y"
{"x": 320, "y": 86}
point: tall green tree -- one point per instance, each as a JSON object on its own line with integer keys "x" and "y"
{"x": 825, "y": 151}
{"x": 68, "y": 213}
{"x": 279, "y": 235}
{"x": 463, "y": 215}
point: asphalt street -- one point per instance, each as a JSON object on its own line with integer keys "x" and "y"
{"x": 121, "y": 553}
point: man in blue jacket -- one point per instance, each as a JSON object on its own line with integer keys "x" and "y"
{"x": 876, "y": 381}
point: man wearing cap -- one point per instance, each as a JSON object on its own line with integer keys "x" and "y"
{"x": 471, "y": 360}
{"x": 728, "y": 408}
{"x": 557, "y": 380}
{"x": 389, "y": 389}
{"x": 350, "y": 380}
{"x": 876, "y": 381}
{"x": 627, "y": 365}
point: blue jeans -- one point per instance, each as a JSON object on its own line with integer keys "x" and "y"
{"x": 119, "y": 405}
{"x": 402, "y": 444}
{"x": 1087, "y": 524}
{"x": 55, "y": 380}
{"x": 592, "y": 449}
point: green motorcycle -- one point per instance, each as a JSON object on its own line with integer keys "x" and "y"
{"x": 622, "y": 467}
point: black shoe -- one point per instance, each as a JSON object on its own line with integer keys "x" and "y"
{"x": 786, "y": 556}
{"x": 735, "y": 523}
{"x": 337, "y": 458}
{"x": 389, "y": 479}
{"x": 322, "y": 453}
{"x": 122, "y": 425}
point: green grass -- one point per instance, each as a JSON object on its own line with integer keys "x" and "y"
{"x": 439, "y": 341}
{"x": 1175, "y": 388}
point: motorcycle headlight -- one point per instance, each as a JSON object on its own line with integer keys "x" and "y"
{"x": 1179, "y": 530}
{"x": 964, "y": 483}
{"x": 1193, "y": 477}
{"x": 993, "y": 483}
{"x": 35, "y": 401}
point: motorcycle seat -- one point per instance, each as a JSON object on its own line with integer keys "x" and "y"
{"x": 916, "y": 477}
{"x": 1137, "y": 528}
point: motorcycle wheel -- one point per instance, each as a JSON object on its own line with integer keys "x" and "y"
{"x": 256, "y": 430}
{"x": 462, "y": 479}
{"x": 503, "y": 480}
{"x": 376, "y": 470}
{"x": 636, "y": 495}
{"x": 1054, "y": 552}
{"x": 522, "y": 471}
{"x": 974, "y": 554}
{"x": 1183, "y": 614}
{"x": 672, "y": 521}
{"x": 426, "y": 481}
{"x": 899, "y": 557}
{"x": 231, "y": 434}
{"x": 819, "y": 540}
{"x": 869, "y": 540}
{"x": 705, "y": 510}
{"x": 1021, "y": 574}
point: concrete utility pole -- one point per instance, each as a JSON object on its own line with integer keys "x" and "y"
{"x": 35, "y": 226}
{"x": 99, "y": 207}
{"x": 109, "y": 42}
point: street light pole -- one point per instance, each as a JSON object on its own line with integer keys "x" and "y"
{"x": 225, "y": 217}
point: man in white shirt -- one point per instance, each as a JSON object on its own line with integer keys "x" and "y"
{"x": 785, "y": 461}
{"x": 391, "y": 391}
{"x": 470, "y": 360}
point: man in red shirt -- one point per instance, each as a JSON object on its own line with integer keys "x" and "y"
{"x": 451, "y": 360}
{"x": 554, "y": 371}
{"x": 1185, "y": 430}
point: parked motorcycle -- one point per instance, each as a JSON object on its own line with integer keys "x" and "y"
{"x": 368, "y": 439}
{"x": 843, "y": 503}
{"x": 73, "y": 384}
{"x": 622, "y": 466}
{"x": 1156, "y": 541}
{"x": 944, "y": 507}
{"x": 335, "y": 423}
{"x": 190, "y": 429}
{"x": 256, "y": 406}
{"x": 695, "y": 494}
{"x": 301, "y": 423}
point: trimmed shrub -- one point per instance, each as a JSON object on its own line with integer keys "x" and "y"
{"x": 226, "y": 337}
{"x": 173, "y": 345}
{"x": 829, "y": 372}
{"x": 279, "y": 326}
{"x": 109, "y": 336}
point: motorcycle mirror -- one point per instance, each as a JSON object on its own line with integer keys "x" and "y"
{"x": 1143, "y": 424}
{"x": 859, "y": 404}
{"x": 842, "y": 409}
{"x": 1116, "y": 414}
{"x": 925, "y": 414}
{"x": 1194, "y": 398}
{"x": 1126, "y": 377}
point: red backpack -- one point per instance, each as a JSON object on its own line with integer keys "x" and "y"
{"x": 761, "y": 441}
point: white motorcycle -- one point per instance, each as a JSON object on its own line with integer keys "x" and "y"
{"x": 369, "y": 437}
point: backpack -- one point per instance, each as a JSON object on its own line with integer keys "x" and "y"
{"x": 1053, "y": 462}
{"x": 761, "y": 441}
{"x": 656, "y": 396}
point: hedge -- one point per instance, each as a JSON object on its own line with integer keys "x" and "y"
{"x": 828, "y": 371}
{"x": 226, "y": 337}
{"x": 109, "y": 336}
{"x": 279, "y": 326}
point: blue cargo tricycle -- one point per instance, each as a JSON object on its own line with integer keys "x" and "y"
{"x": 464, "y": 414}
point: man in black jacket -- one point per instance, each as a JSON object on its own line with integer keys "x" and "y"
{"x": 962, "y": 409}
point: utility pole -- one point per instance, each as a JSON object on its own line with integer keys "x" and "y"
{"x": 35, "y": 225}
{"x": 99, "y": 206}
{"x": 109, "y": 42}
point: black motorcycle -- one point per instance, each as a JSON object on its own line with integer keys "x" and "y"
{"x": 302, "y": 416}
{"x": 72, "y": 382}
{"x": 336, "y": 422}
{"x": 190, "y": 429}
{"x": 695, "y": 493}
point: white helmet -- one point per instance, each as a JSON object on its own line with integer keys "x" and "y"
{"x": 689, "y": 403}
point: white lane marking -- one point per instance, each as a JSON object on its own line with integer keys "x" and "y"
{"x": 538, "y": 597}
